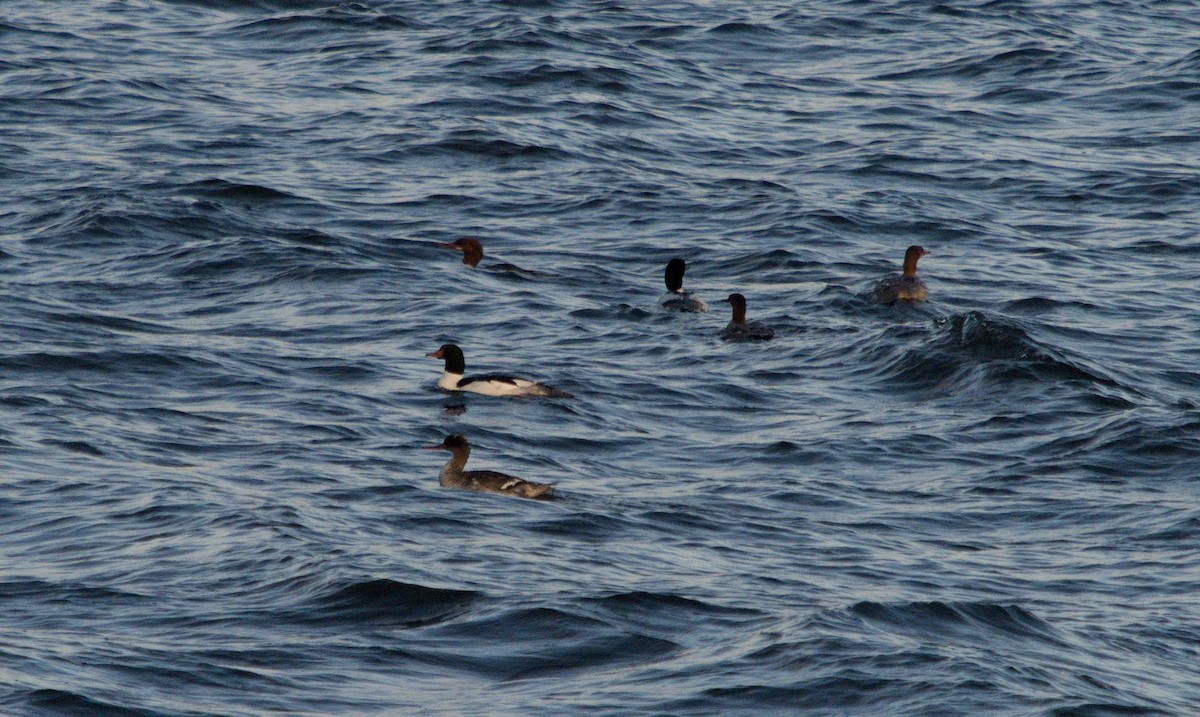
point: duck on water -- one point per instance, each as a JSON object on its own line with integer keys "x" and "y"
{"x": 453, "y": 475}
{"x": 492, "y": 384}
{"x": 907, "y": 287}
{"x": 471, "y": 249}
{"x": 738, "y": 329}
{"x": 676, "y": 299}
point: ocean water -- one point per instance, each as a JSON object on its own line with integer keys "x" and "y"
{"x": 219, "y": 278}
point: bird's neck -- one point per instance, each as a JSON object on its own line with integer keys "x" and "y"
{"x": 458, "y": 461}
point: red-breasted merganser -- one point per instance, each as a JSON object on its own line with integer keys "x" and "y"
{"x": 741, "y": 330}
{"x": 453, "y": 475}
{"x": 906, "y": 287}
{"x": 490, "y": 384}
{"x": 676, "y": 298}
{"x": 471, "y": 249}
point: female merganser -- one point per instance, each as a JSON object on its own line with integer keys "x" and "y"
{"x": 453, "y": 475}
{"x": 738, "y": 329}
{"x": 471, "y": 249}
{"x": 906, "y": 287}
{"x": 677, "y": 299}
{"x": 490, "y": 384}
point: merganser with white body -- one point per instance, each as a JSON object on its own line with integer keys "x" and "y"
{"x": 490, "y": 384}
{"x": 741, "y": 330}
{"x": 471, "y": 249}
{"x": 677, "y": 299}
{"x": 453, "y": 475}
{"x": 906, "y": 287}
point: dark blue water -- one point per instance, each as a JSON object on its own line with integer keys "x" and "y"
{"x": 219, "y": 277}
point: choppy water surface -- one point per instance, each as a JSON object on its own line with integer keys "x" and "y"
{"x": 220, "y": 276}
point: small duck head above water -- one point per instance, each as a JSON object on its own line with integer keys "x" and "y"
{"x": 455, "y": 443}
{"x": 456, "y": 363}
{"x": 910, "y": 259}
{"x": 739, "y": 329}
{"x": 738, "y": 302}
{"x": 907, "y": 287}
{"x": 471, "y": 249}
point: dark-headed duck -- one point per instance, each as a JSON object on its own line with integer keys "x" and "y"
{"x": 676, "y": 299}
{"x": 490, "y": 384}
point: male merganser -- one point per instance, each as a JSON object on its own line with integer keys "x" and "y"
{"x": 490, "y": 384}
{"x": 906, "y": 287}
{"x": 738, "y": 328}
{"x": 677, "y": 299}
{"x": 453, "y": 475}
{"x": 471, "y": 249}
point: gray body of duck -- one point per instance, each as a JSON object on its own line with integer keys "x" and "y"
{"x": 453, "y": 475}
{"x": 907, "y": 287}
{"x": 738, "y": 329}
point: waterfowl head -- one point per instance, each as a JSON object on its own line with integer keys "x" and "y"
{"x": 453, "y": 356}
{"x": 470, "y": 247}
{"x": 910, "y": 259}
{"x": 738, "y": 302}
{"x": 674, "y": 275}
{"x": 453, "y": 442}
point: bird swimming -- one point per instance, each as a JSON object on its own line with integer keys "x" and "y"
{"x": 471, "y": 249}
{"x": 494, "y": 384}
{"x": 907, "y": 287}
{"x": 676, "y": 299}
{"x": 738, "y": 329}
{"x": 453, "y": 475}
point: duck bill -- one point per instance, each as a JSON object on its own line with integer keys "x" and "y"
{"x": 438, "y": 447}
{"x": 449, "y": 245}
{"x": 435, "y": 354}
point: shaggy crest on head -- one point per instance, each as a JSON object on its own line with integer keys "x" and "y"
{"x": 471, "y": 249}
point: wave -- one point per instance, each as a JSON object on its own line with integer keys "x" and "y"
{"x": 108, "y": 362}
{"x": 854, "y": 693}
{"x": 318, "y": 23}
{"x": 224, "y": 189}
{"x": 59, "y": 593}
{"x": 1106, "y": 709}
{"x": 525, "y": 643}
{"x": 385, "y": 602}
{"x": 972, "y": 351}
{"x": 666, "y": 614}
{"x": 490, "y": 147}
{"x": 597, "y": 77}
{"x": 67, "y": 703}
{"x": 980, "y": 618}
{"x": 1017, "y": 63}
